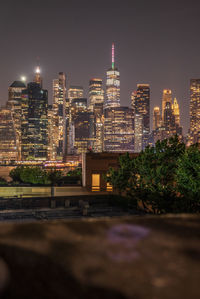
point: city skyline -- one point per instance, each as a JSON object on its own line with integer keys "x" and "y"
{"x": 149, "y": 48}
{"x": 86, "y": 91}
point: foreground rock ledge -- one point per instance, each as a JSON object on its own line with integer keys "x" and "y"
{"x": 131, "y": 257}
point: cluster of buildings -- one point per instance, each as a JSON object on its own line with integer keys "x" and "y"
{"x": 33, "y": 130}
{"x": 167, "y": 123}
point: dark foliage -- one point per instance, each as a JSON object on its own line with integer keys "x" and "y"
{"x": 30, "y": 175}
{"x": 162, "y": 179}
{"x": 3, "y": 181}
{"x": 38, "y": 176}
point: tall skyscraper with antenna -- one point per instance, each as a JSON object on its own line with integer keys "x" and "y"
{"x": 112, "y": 84}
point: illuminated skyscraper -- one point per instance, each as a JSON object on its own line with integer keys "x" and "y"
{"x": 133, "y": 97}
{"x": 14, "y": 104}
{"x": 156, "y": 118}
{"x": 96, "y": 93}
{"x": 59, "y": 107}
{"x": 96, "y": 99}
{"x": 8, "y": 144}
{"x": 194, "y": 132}
{"x": 51, "y": 147}
{"x": 82, "y": 126}
{"x": 138, "y": 132}
{"x": 14, "y": 95}
{"x": 176, "y": 111}
{"x": 75, "y": 92}
{"x": 113, "y": 85}
{"x": 83, "y": 134}
{"x": 142, "y": 108}
{"x": 34, "y": 123}
{"x": 167, "y": 97}
{"x": 169, "y": 119}
{"x": 98, "y": 128}
{"x": 170, "y": 124}
{"x": 118, "y": 130}
{"x": 78, "y": 106}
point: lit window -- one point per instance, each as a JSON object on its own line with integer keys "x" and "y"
{"x": 95, "y": 182}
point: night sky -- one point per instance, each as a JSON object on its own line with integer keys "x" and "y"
{"x": 157, "y": 42}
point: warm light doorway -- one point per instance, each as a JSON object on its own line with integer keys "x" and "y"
{"x": 96, "y": 182}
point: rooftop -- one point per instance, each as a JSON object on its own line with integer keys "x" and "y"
{"x": 18, "y": 84}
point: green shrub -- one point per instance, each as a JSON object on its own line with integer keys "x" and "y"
{"x": 77, "y": 172}
{"x": 188, "y": 180}
{"x": 163, "y": 179}
{"x": 3, "y": 181}
{"x": 15, "y": 174}
{"x": 55, "y": 176}
{"x": 30, "y": 175}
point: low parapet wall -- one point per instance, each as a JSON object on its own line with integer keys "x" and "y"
{"x": 25, "y": 191}
{"x": 43, "y": 191}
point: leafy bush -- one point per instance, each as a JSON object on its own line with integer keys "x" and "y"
{"x": 156, "y": 174}
{"x": 77, "y": 172}
{"x": 37, "y": 176}
{"x": 3, "y": 181}
{"x": 30, "y": 175}
{"x": 55, "y": 176}
{"x": 188, "y": 179}
{"x": 15, "y": 174}
{"x": 157, "y": 178}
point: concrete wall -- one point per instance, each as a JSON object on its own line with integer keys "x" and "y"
{"x": 41, "y": 191}
{"x": 25, "y": 191}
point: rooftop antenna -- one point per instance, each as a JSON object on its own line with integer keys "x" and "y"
{"x": 113, "y": 56}
{"x": 38, "y": 71}
{"x": 37, "y": 77}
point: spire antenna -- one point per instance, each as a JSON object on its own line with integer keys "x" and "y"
{"x": 113, "y": 56}
{"x": 37, "y": 70}
{"x": 37, "y": 77}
